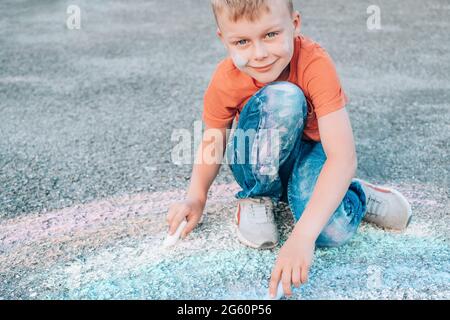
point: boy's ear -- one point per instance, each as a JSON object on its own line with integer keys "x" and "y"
{"x": 297, "y": 20}
{"x": 220, "y": 36}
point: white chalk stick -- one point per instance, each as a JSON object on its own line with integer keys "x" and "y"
{"x": 172, "y": 239}
{"x": 279, "y": 294}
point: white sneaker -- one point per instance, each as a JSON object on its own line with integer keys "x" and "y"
{"x": 386, "y": 207}
{"x": 255, "y": 222}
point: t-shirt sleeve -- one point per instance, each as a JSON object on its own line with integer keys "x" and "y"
{"x": 323, "y": 85}
{"x": 218, "y": 108}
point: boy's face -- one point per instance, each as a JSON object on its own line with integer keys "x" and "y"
{"x": 267, "y": 42}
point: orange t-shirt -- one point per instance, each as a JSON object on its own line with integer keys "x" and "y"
{"x": 311, "y": 68}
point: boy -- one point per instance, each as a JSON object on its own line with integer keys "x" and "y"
{"x": 276, "y": 80}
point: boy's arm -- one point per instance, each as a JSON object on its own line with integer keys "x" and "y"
{"x": 205, "y": 168}
{"x": 207, "y": 164}
{"x": 296, "y": 255}
{"x": 335, "y": 177}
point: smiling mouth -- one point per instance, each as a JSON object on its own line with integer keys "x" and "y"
{"x": 264, "y": 68}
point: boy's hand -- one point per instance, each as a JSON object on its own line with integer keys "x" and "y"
{"x": 292, "y": 266}
{"x": 191, "y": 209}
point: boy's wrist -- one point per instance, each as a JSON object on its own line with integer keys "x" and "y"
{"x": 301, "y": 234}
{"x": 197, "y": 196}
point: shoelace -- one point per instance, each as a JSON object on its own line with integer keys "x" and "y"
{"x": 374, "y": 206}
{"x": 259, "y": 212}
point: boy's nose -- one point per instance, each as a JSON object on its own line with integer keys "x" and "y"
{"x": 260, "y": 52}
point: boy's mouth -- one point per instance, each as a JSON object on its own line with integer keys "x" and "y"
{"x": 264, "y": 68}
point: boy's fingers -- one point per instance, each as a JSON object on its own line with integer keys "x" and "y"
{"x": 176, "y": 221}
{"x": 274, "y": 279}
{"x": 170, "y": 215}
{"x": 304, "y": 274}
{"x": 173, "y": 210}
{"x": 296, "y": 273}
{"x": 286, "y": 280}
{"x": 192, "y": 222}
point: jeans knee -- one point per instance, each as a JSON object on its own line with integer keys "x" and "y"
{"x": 284, "y": 98}
{"x": 337, "y": 240}
{"x": 339, "y": 230}
{"x": 335, "y": 234}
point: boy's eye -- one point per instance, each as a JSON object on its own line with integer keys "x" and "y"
{"x": 272, "y": 34}
{"x": 244, "y": 42}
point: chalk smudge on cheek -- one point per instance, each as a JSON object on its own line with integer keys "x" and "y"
{"x": 239, "y": 61}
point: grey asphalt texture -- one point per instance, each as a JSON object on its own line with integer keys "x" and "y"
{"x": 87, "y": 116}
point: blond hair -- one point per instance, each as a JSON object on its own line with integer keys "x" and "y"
{"x": 248, "y": 9}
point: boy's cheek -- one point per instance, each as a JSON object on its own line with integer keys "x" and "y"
{"x": 239, "y": 60}
{"x": 288, "y": 45}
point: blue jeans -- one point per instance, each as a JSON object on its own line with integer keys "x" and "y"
{"x": 290, "y": 173}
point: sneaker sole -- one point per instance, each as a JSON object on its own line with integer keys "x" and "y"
{"x": 402, "y": 199}
{"x": 243, "y": 240}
